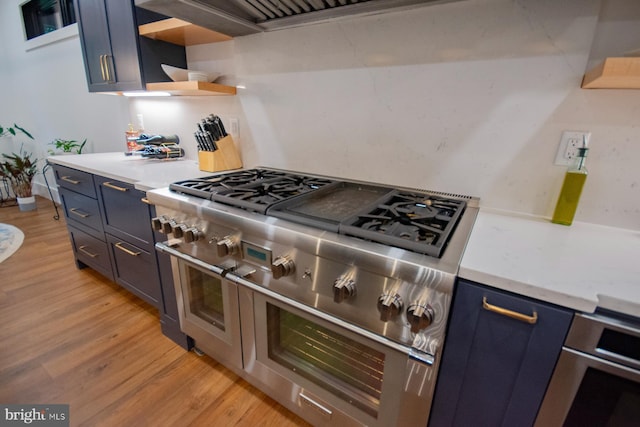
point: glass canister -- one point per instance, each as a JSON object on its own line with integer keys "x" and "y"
{"x": 132, "y": 139}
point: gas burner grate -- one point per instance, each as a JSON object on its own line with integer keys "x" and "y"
{"x": 250, "y": 176}
{"x": 206, "y": 187}
{"x": 418, "y": 222}
{"x": 261, "y": 194}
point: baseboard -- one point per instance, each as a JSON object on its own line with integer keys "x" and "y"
{"x": 40, "y": 189}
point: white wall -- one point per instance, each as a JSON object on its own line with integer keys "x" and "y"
{"x": 468, "y": 97}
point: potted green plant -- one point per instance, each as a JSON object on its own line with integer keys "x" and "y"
{"x": 18, "y": 170}
{"x": 67, "y": 146}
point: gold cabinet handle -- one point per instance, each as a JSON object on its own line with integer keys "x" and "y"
{"x": 78, "y": 212}
{"x": 513, "y": 314}
{"x": 69, "y": 180}
{"x": 107, "y": 68}
{"x": 102, "y": 65}
{"x": 86, "y": 252}
{"x": 115, "y": 187}
{"x": 145, "y": 200}
{"x": 127, "y": 251}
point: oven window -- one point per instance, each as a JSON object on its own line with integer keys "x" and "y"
{"x": 205, "y": 297}
{"x": 346, "y": 368}
{"x": 605, "y": 400}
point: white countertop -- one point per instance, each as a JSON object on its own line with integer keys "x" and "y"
{"x": 582, "y": 266}
{"x": 145, "y": 174}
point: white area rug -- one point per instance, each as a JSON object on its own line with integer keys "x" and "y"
{"x": 10, "y": 240}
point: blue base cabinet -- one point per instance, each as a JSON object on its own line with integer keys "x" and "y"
{"x": 109, "y": 224}
{"x": 498, "y": 358}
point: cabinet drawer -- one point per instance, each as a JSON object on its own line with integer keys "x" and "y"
{"x": 91, "y": 251}
{"x": 81, "y": 209}
{"x": 125, "y": 214}
{"x": 75, "y": 180}
{"x": 135, "y": 269}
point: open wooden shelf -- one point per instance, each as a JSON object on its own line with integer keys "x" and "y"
{"x": 614, "y": 73}
{"x": 180, "y": 32}
{"x": 192, "y": 88}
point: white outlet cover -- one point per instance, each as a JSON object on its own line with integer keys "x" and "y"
{"x": 567, "y": 137}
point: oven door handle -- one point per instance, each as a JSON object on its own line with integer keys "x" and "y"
{"x": 165, "y": 247}
{"x": 317, "y": 313}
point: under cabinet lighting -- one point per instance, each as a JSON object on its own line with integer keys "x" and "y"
{"x": 146, "y": 93}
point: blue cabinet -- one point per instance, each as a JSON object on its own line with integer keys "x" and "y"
{"x": 127, "y": 226}
{"x": 498, "y": 358}
{"x": 116, "y": 58}
{"x": 84, "y": 219}
{"x": 109, "y": 225}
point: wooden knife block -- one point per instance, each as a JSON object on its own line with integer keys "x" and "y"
{"x": 224, "y": 158}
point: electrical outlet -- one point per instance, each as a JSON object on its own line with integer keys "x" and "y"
{"x": 569, "y": 144}
{"x": 234, "y": 128}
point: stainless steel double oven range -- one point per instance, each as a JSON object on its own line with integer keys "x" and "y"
{"x": 330, "y": 295}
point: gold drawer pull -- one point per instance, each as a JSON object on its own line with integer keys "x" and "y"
{"x": 107, "y": 68}
{"x": 79, "y": 213}
{"x": 145, "y": 200}
{"x": 104, "y": 76}
{"x": 514, "y": 315}
{"x": 69, "y": 180}
{"x": 127, "y": 251}
{"x": 86, "y": 252}
{"x": 115, "y": 187}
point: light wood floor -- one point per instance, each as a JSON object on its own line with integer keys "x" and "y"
{"x": 70, "y": 336}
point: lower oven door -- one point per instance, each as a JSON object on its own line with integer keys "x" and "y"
{"x": 207, "y": 307}
{"x": 328, "y": 374}
{"x": 596, "y": 382}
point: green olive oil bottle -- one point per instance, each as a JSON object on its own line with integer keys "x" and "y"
{"x": 571, "y": 189}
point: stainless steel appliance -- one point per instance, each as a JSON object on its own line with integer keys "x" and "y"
{"x": 597, "y": 379}
{"x": 341, "y": 288}
{"x": 241, "y": 17}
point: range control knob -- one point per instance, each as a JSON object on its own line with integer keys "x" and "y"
{"x": 282, "y": 266}
{"x": 344, "y": 287}
{"x": 227, "y": 246}
{"x": 167, "y": 226}
{"x": 389, "y": 306}
{"x": 178, "y": 230}
{"x": 191, "y": 234}
{"x": 156, "y": 223}
{"x": 420, "y": 316}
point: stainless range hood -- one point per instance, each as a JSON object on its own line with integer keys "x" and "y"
{"x": 242, "y": 17}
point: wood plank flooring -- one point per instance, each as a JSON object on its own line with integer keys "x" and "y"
{"x": 71, "y": 336}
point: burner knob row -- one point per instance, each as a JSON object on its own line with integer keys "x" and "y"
{"x": 282, "y": 266}
{"x": 165, "y": 225}
{"x": 419, "y": 315}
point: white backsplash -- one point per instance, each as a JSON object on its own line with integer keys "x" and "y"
{"x": 467, "y": 97}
